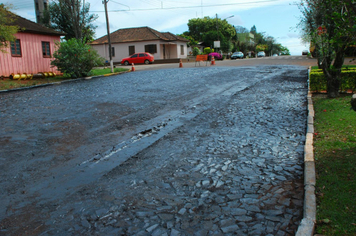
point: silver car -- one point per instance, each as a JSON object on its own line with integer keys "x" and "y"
{"x": 261, "y": 54}
{"x": 236, "y": 55}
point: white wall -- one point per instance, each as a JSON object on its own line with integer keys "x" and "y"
{"x": 122, "y": 50}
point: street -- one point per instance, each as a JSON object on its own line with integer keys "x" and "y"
{"x": 160, "y": 151}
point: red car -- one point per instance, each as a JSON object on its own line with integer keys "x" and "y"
{"x": 138, "y": 58}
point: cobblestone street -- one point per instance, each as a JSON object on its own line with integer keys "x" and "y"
{"x": 226, "y": 159}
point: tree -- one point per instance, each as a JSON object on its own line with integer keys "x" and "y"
{"x": 241, "y": 30}
{"x": 253, "y": 29}
{"x": 76, "y": 58}
{"x": 330, "y": 26}
{"x": 71, "y": 18}
{"x": 261, "y": 47}
{"x": 282, "y": 50}
{"x": 7, "y": 30}
{"x": 192, "y": 41}
{"x": 208, "y": 30}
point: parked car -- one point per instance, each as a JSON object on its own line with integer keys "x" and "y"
{"x": 236, "y": 55}
{"x": 305, "y": 52}
{"x": 217, "y": 56}
{"x": 138, "y": 58}
{"x": 275, "y": 55}
{"x": 261, "y": 54}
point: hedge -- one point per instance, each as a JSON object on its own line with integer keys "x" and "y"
{"x": 318, "y": 81}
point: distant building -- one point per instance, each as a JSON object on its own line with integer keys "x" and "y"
{"x": 125, "y": 42}
{"x": 40, "y": 6}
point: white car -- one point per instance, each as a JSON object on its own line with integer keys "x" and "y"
{"x": 261, "y": 54}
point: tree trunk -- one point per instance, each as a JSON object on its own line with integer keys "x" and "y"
{"x": 333, "y": 83}
{"x": 334, "y": 74}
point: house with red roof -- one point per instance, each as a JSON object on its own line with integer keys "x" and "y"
{"x": 31, "y": 53}
{"x": 125, "y": 42}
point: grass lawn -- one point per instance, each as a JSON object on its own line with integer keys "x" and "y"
{"x": 335, "y": 159}
{"x": 6, "y": 84}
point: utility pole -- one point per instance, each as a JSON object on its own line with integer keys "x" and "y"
{"x": 108, "y": 29}
{"x": 217, "y": 26}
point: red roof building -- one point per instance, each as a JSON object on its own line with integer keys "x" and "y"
{"x": 125, "y": 42}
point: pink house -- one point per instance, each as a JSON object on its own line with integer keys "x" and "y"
{"x": 32, "y": 51}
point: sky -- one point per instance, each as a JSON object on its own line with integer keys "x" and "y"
{"x": 276, "y": 18}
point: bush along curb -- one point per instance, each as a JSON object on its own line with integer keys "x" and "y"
{"x": 61, "y": 82}
{"x": 307, "y": 224}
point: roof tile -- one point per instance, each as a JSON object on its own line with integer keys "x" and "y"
{"x": 32, "y": 27}
{"x": 137, "y": 35}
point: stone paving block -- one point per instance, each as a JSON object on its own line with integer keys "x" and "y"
{"x": 306, "y": 227}
{"x": 309, "y": 173}
{"x": 309, "y": 139}
{"x": 308, "y": 153}
{"x": 310, "y": 202}
{"x": 310, "y": 128}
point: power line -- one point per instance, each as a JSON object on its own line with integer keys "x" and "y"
{"x": 186, "y": 7}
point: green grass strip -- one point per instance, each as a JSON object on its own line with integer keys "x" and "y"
{"x": 335, "y": 159}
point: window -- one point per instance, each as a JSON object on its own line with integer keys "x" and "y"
{"x": 181, "y": 49}
{"x": 131, "y": 50}
{"x": 45, "y": 49}
{"x": 16, "y": 48}
{"x": 142, "y": 55}
{"x": 151, "y": 48}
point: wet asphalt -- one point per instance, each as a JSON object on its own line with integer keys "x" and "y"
{"x": 183, "y": 151}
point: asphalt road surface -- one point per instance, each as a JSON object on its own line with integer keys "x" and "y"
{"x": 175, "y": 151}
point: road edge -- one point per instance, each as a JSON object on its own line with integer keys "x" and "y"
{"x": 62, "y": 82}
{"x": 307, "y": 225}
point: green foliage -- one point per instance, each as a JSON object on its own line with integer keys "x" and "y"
{"x": 76, "y": 58}
{"x": 261, "y": 47}
{"x": 192, "y": 41}
{"x": 208, "y": 30}
{"x": 284, "y": 50}
{"x": 196, "y": 51}
{"x": 198, "y": 27}
{"x": 318, "y": 81}
{"x": 330, "y": 27}
{"x": 226, "y": 46}
{"x": 208, "y": 50}
{"x": 70, "y": 17}
{"x": 253, "y": 29}
{"x": 7, "y": 31}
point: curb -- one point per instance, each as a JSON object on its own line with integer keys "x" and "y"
{"x": 62, "y": 82}
{"x": 307, "y": 224}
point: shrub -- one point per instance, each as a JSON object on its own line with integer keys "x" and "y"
{"x": 207, "y": 50}
{"x": 196, "y": 51}
{"x": 318, "y": 82}
{"x": 75, "y": 58}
